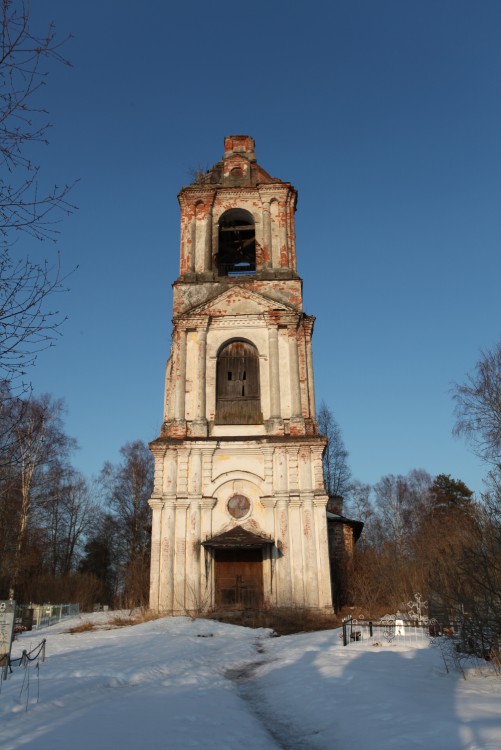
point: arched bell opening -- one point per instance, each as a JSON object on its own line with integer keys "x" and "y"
{"x": 238, "y": 397}
{"x": 236, "y": 254}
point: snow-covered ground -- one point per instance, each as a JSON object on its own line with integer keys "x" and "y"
{"x": 177, "y": 683}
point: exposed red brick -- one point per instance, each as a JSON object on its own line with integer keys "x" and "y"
{"x": 307, "y": 523}
{"x": 174, "y": 430}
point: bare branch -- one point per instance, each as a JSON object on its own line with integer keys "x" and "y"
{"x": 478, "y": 406}
{"x": 337, "y": 472}
{"x": 27, "y": 323}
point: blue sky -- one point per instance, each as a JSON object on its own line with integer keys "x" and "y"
{"x": 386, "y": 117}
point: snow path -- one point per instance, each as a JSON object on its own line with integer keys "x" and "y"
{"x": 158, "y": 685}
{"x": 176, "y": 684}
{"x": 246, "y": 678}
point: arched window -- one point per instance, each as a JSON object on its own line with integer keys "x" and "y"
{"x": 238, "y": 394}
{"x": 237, "y": 243}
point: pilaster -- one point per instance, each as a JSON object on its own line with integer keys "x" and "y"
{"x": 156, "y": 506}
{"x": 194, "y": 549}
{"x": 296, "y": 420}
{"x": 180, "y": 571}
{"x": 198, "y": 428}
{"x": 169, "y": 478}
{"x": 275, "y": 423}
{"x": 296, "y": 551}
{"x": 322, "y": 551}
{"x": 284, "y": 553}
{"x": 166, "y": 589}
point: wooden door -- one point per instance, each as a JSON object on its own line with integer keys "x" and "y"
{"x": 238, "y": 393}
{"x": 239, "y": 578}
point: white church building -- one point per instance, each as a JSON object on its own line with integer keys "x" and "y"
{"x": 239, "y": 503}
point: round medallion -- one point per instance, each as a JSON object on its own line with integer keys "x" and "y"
{"x": 238, "y": 506}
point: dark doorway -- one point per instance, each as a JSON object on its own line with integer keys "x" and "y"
{"x": 238, "y": 578}
{"x": 238, "y": 393}
{"x": 237, "y": 244}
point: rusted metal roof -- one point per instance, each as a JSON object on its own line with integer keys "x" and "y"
{"x": 238, "y": 537}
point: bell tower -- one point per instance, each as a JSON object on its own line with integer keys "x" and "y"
{"x": 239, "y": 504}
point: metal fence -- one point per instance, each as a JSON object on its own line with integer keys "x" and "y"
{"x": 389, "y": 629}
{"x": 459, "y": 636}
{"x": 411, "y": 626}
{"x": 45, "y": 614}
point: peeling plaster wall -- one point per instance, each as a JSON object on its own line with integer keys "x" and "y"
{"x": 276, "y": 464}
{"x": 286, "y": 504}
{"x": 272, "y": 208}
{"x": 243, "y": 320}
{"x": 189, "y": 295}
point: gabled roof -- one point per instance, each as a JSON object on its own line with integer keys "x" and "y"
{"x": 238, "y": 537}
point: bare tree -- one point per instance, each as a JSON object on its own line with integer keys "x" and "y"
{"x": 335, "y": 462}
{"x": 477, "y": 581}
{"x": 67, "y": 515}
{"x": 393, "y": 509}
{"x": 127, "y": 487}
{"x": 100, "y": 559}
{"x": 400, "y": 502}
{"x": 40, "y": 446}
{"x": 427, "y": 534}
{"x": 358, "y": 505}
{"x": 27, "y": 325}
{"x": 478, "y": 406}
{"x": 388, "y": 563}
{"x": 24, "y": 58}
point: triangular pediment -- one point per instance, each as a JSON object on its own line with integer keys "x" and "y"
{"x": 238, "y": 301}
{"x": 238, "y": 538}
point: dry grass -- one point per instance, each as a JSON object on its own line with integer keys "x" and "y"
{"x": 495, "y": 659}
{"x": 283, "y": 621}
{"x": 84, "y": 627}
{"x": 120, "y": 621}
{"x": 134, "y": 618}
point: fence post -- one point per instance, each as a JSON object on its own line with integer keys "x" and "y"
{"x": 346, "y": 638}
